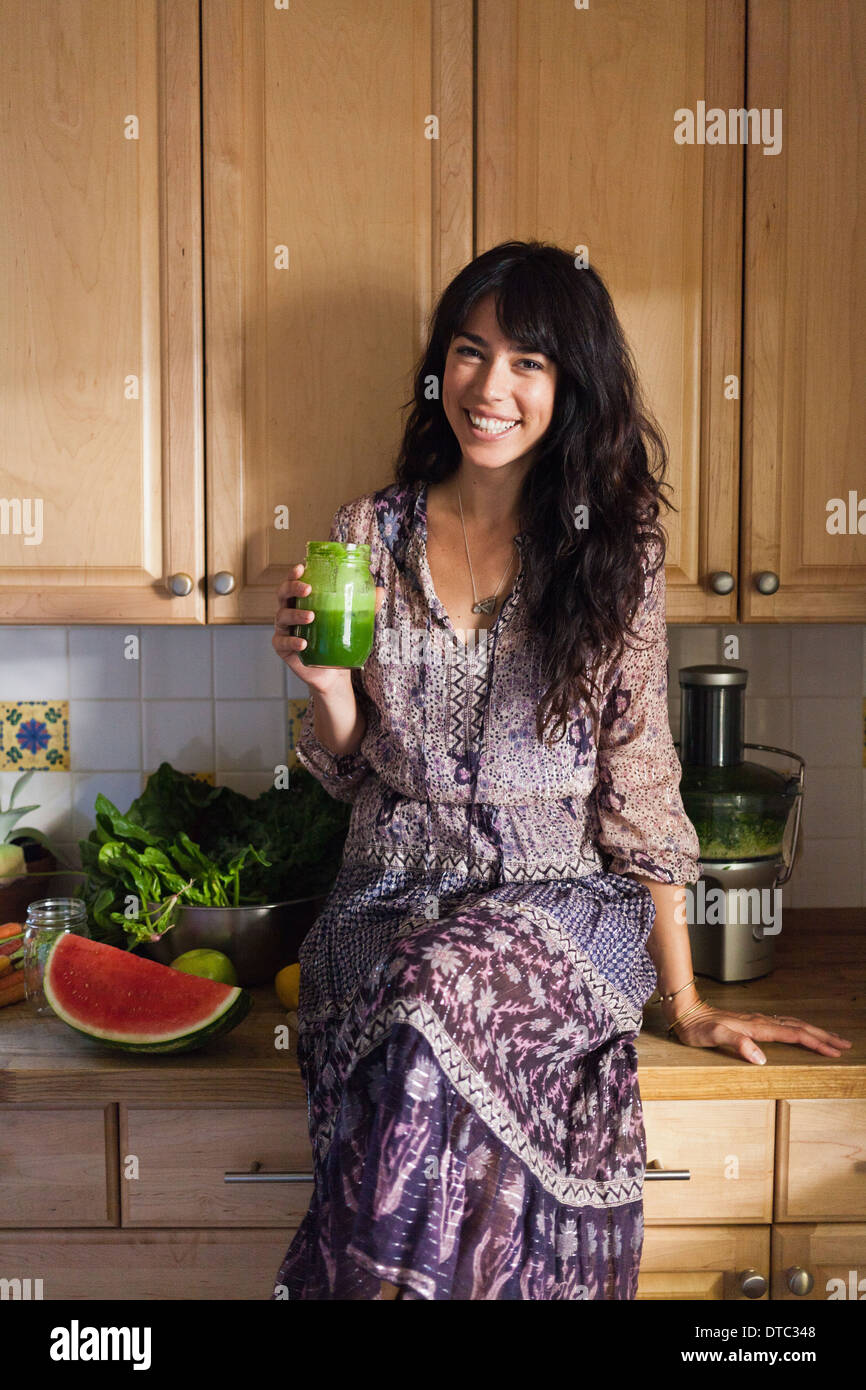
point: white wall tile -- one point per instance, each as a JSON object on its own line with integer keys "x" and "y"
{"x": 104, "y": 735}
{"x": 692, "y": 646}
{"x": 828, "y": 732}
{"x": 121, "y": 788}
{"x": 179, "y": 732}
{"x": 98, "y": 668}
{"x": 176, "y": 663}
{"x": 251, "y": 735}
{"x": 33, "y": 663}
{"x": 245, "y": 665}
{"x": 769, "y": 721}
{"x": 765, "y": 652}
{"x": 829, "y": 873}
{"x": 296, "y": 689}
{"x": 827, "y": 659}
{"x": 832, "y": 803}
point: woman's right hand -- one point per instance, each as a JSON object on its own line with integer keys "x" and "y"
{"x": 322, "y": 678}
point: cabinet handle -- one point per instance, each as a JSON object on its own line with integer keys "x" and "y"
{"x": 767, "y": 582}
{"x": 180, "y": 585}
{"x": 751, "y": 1283}
{"x": 722, "y": 582}
{"x": 655, "y": 1170}
{"x": 267, "y": 1177}
{"x": 223, "y": 582}
{"x": 799, "y": 1281}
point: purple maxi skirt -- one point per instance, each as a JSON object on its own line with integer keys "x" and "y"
{"x": 474, "y": 1109}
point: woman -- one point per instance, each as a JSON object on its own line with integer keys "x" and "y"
{"x": 518, "y": 849}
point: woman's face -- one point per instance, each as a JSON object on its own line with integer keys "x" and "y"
{"x": 486, "y": 376}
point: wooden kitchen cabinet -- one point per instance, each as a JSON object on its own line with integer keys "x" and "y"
{"x": 575, "y": 145}
{"x": 182, "y": 1156}
{"x": 804, "y": 406}
{"x": 332, "y": 222}
{"x": 100, "y": 372}
{"x": 702, "y": 1262}
{"x": 58, "y": 1165}
{"x": 796, "y": 1127}
{"x": 727, "y": 1148}
{"x": 148, "y": 1265}
{"x": 259, "y": 281}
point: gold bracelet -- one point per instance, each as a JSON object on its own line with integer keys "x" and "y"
{"x": 689, "y": 1013}
{"x": 663, "y": 997}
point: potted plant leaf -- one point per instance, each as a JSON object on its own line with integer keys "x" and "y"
{"x": 28, "y": 861}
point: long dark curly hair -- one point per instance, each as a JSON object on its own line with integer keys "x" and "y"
{"x": 603, "y": 449}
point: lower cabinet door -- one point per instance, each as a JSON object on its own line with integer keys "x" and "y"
{"x": 135, "y": 1265}
{"x": 818, "y": 1261}
{"x": 174, "y": 1162}
{"x": 705, "y": 1262}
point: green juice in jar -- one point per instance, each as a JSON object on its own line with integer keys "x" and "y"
{"x": 343, "y": 599}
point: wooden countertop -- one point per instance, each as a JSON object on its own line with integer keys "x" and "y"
{"x": 820, "y": 976}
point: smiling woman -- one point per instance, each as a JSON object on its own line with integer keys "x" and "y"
{"x": 471, "y": 993}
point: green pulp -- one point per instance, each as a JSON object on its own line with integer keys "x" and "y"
{"x": 341, "y": 633}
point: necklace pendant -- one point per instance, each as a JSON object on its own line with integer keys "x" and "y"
{"x": 485, "y": 605}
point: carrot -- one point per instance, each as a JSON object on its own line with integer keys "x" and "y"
{"x": 4, "y": 983}
{"x": 11, "y": 945}
{"x": 12, "y": 996}
{"x": 5, "y": 964}
{"x": 11, "y": 929}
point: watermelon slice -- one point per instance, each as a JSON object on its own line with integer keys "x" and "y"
{"x": 129, "y": 1002}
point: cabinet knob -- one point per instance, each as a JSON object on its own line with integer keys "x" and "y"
{"x": 751, "y": 1283}
{"x": 767, "y": 582}
{"x": 799, "y": 1281}
{"x": 223, "y": 582}
{"x": 180, "y": 585}
{"x": 722, "y": 582}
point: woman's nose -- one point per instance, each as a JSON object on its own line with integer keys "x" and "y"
{"x": 493, "y": 379}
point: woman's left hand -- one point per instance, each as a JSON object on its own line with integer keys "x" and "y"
{"x": 738, "y": 1033}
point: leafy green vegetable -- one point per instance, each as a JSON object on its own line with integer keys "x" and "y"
{"x": 183, "y": 841}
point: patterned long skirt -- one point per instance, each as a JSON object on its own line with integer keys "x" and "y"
{"x": 474, "y": 1107}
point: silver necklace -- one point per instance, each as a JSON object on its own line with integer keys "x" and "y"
{"x": 481, "y": 605}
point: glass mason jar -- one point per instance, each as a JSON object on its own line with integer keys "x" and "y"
{"x": 343, "y": 599}
{"x": 46, "y": 920}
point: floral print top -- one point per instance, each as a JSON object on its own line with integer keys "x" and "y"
{"x": 451, "y": 776}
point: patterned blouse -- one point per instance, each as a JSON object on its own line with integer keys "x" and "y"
{"x": 451, "y": 777}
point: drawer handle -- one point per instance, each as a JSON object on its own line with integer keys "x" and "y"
{"x": 655, "y": 1170}
{"x": 267, "y": 1177}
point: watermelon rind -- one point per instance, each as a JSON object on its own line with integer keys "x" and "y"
{"x": 230, "y": 1012}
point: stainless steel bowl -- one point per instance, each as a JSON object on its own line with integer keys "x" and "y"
{"x": 258, "y": 941}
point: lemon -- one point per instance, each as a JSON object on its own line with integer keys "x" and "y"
{"x": 287, "y": 985}
{"x": 210, "y": 965}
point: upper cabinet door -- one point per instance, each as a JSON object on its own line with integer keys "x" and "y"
{"x": 101, "y": 446}
{"x": 577, "y": 115}
{"x": 804, "y": 416}
{"x": 338, "y": 203}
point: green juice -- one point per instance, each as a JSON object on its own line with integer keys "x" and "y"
{"x": 341, "y": 633}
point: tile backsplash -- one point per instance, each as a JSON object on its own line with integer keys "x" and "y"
{"x": 99, "y": 708}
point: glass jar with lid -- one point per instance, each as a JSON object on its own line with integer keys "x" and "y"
{"x": 343, "y": 599}
{"x": 46, "y": 920}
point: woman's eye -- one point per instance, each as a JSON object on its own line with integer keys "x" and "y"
{"x": 524, "y": 362}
